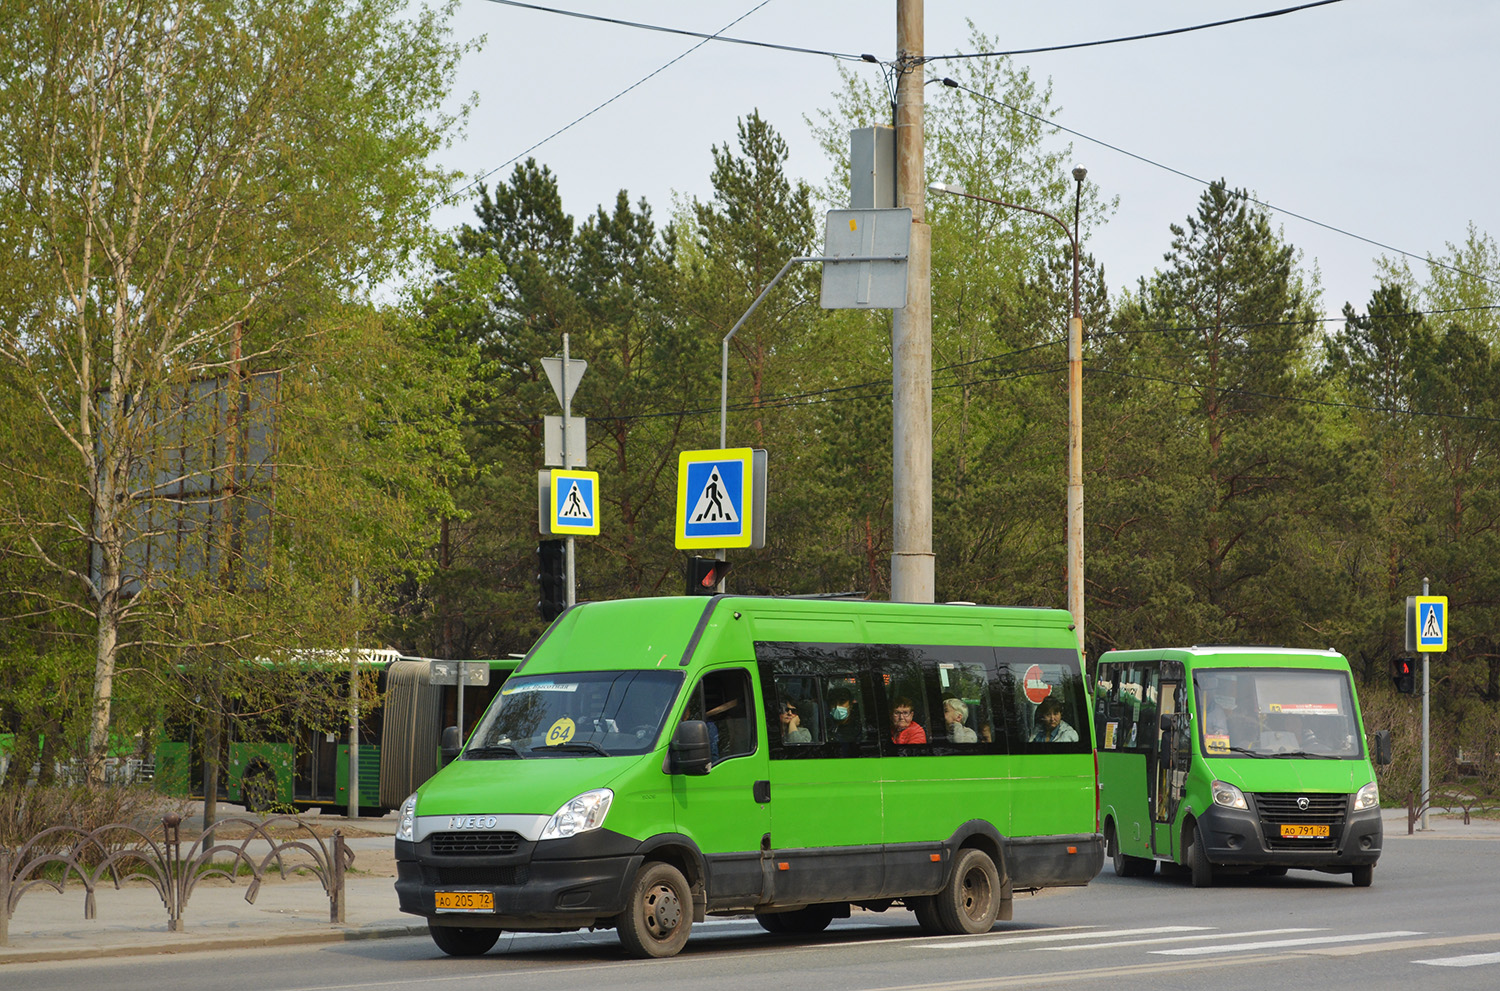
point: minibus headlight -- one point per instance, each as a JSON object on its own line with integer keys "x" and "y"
{"x": 406, "y": 828}
{"x": 579, "y": 815}
{"x": 1229, "y": 796}
{"x": 1368, "y": 797}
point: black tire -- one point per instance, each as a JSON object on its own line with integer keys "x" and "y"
{"x": 1363, "y": 875}
{"x": 971, "y": 901}
{"x": 1203, "y": 871}
{"x": 1271, "y": 871}
{"x": 258, "y": 788}
{"x": 1126, "y": 865}
{"x": 926, "y": 911}
{"x": 659, "y": 915}
{"x": 459, "y": 941}
{"x": 806, "y": 921}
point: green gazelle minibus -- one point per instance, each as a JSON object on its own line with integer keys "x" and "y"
{"x": 1219, "y": 759}
{"x": 655, "y": 761}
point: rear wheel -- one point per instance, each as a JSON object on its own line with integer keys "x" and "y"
{"x": 1363, "y": 875}
{"x": 659, "y": 915}
{"x": 926, "y": 911}
{"x": 971, "y": 901}
{"x": 1203, "y": 871}
{"x": 457, "y": 941}
{"x": 1126, "y": 865}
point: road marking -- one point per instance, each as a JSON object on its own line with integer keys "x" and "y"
{"x": 1471, "y": 960}
{"x": 1000, "y": 940}
{"x": 1281, "y": 944}
{"x": 1177, "y": 939}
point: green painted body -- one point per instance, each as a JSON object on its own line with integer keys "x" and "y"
{"x": 1155, "y": 787}
{"x": 839, "y": 805}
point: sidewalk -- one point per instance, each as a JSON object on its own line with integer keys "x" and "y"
{"x": 47, "y": 926}
{"x": 133, "y": 921}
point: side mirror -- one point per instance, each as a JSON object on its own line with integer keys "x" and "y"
{"x": 1382, "y": 741}
{"x": 1168, "y": 722}
{"x": 689, "y": 752}
{"x": 450, "y": 744}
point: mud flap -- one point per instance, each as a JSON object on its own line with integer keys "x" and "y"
{"x": 1007, "y": 901}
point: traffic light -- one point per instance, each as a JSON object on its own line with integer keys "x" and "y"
{"x": 552, "y": 578}
{"x": 1404, "y": 675}
{"x": 704, "y": 575}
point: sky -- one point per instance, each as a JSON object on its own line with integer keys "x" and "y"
{"x": 1374, "y": 117}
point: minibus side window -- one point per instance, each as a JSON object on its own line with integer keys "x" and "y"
{"x": 796, "y": 714}
{"x": 962, "y": 710}
{"x": 723, "y": 700}
{"x": 904, "y": 717}
{"x": 1043, "y": 690}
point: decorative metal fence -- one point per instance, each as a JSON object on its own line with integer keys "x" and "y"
{"x": 119, "y": 852}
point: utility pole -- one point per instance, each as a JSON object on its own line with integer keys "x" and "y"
{"x": 912, "y": 564}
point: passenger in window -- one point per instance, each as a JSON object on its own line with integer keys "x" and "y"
{"x": 1050, "y": 725}
{"x": 792, "y": 730}
{"x": 903, "y": 727}
{"x": 843, "y": 718}
{"x": 956, "y": 715}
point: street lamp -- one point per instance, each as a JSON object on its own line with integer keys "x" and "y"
{"x": 1075, "y": 392}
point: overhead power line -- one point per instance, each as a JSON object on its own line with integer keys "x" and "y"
{"x": 1264, "y": 15}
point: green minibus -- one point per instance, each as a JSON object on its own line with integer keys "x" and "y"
{"x": 655, "y": 761}
{"x": 1220, "y": 759}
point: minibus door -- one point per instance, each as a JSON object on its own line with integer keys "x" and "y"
{"x": 1170, "y": 756}
{"x": 727, "y": 811}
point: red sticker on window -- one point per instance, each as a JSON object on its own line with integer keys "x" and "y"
{"x": 1036, "y": 688}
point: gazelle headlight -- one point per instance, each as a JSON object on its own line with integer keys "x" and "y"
{"x": 406, "y": 828}
{"x": 579, "y": 815}
{"x": 1368, "y": 797}
{"x": 1229, "y": 796}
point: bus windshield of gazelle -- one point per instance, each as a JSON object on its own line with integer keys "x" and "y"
{"x": 583, "y": 714}
{"x": 1276, "y": 712}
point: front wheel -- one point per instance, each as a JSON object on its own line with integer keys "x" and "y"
{"x": 660, "y": 913}
{"x": 971, "y": 901}
{"x": 1363, "y": 875}
{"x": 458, "y": 941}
{"x": 1203, "y": 871}
{"x": 1125, "y": 864}
{"x": 806, "y": 921}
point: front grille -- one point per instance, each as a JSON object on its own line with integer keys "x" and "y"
{"x": 473, "y": 844}
{"x": 1281, "y": 808}
{"x": 459, "y": 877}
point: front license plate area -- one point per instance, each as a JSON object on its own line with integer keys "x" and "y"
{"x": 465, "y": 901}
{"x": 1299, "y": 832}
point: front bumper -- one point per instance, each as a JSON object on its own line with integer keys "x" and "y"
{"x": 562, "y": 884}
{"x": 1252, "y": 838}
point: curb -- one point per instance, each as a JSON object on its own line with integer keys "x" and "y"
{"x": 211, "y": 943}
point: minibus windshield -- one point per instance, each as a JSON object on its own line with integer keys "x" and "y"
{"x": 1278, "y": 713}
{"x": 582, "y": 714}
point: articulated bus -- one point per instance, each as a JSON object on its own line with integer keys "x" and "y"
{"x": 656, "y": 761}
{"x": 304, "y": 768}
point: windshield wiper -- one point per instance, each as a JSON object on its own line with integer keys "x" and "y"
{"x": 588, "y": 745}
{"x": 493, "y": 750}
{"x": 1247, "y": 753}
{"x": 1304, "y": 755}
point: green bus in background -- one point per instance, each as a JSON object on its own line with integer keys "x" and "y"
{"x": 656, "y": 761}
{"x": 305, "y": 768}
{"x": 1222, "y": 759}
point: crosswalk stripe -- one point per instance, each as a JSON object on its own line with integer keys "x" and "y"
{"x": 1469, "y": 960}
{"x": 1278, "y": 944}
{"x": 1177, "y": 939}
{"x": 1057, "y": 937}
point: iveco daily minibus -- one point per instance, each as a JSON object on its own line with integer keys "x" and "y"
{"x": 655, "y": 761}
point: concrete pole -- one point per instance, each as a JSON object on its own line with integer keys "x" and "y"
{"x": 567, "y": 462}
{"x": 912, "y": 564}
{"x": 1075, "y": 433}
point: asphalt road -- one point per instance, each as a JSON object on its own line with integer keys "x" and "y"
{"x": 1432, "y": 919}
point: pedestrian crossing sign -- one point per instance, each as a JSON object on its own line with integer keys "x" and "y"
{"x": 715, "y": 498}
{"x": 1432, "y": 623}
{"x": 575, "y": 502}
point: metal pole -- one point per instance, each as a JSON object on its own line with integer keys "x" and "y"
{"x": 1075, "y": 435}
{"x": 353, "y": 810}
{"x": 567, "y": 462}
{"x": 912, "y": 560}
{"x": 1426, "y": 708}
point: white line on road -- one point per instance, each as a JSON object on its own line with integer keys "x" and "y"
{"x": 1056, "y": 937}
{"x": 1280, "y": 944}
{"x": 1177, "y": 939}
{"x": 1471, "y": 960}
